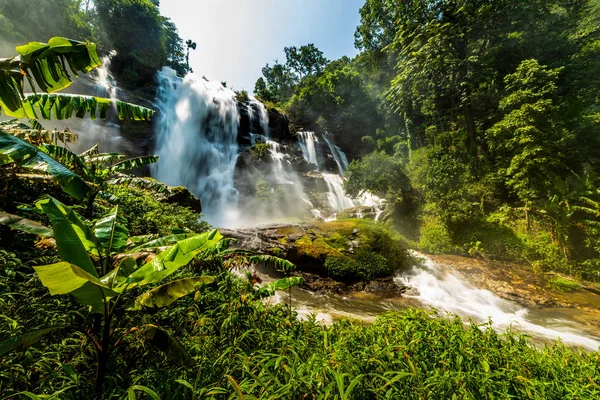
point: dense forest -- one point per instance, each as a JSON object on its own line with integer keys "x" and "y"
{"x": 476, "y": 120}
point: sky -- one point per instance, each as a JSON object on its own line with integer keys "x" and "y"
{"x": 236, "y": 38}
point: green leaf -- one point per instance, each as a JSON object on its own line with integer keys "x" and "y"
{"x": 172, "y": 259}
{"x": 63, "y": 106}
{"x": 131, "y": 392}
{"x": 280, "y": 284}
{"x": 67, "y": 278}
{"x": 24, "y": 340}
{"x": 161, "y": 242}
{"x": 28, "y": 156}
{"x": 45, "y": 64}
{"x": 67, "y": 158}
{"x": 111, "y": 232}
{"x": 144, "y": 183}
{"x": 133, "y": 163}
{"x": 172, "y": 348}
{"x": 279, "y": 264}
{"x": 104, "y": 158}
{"x": 166, "y": 294}
{"x": 119, "y": 275}
{"x": 74, "y": 239}
{"x": 24, "y": 225}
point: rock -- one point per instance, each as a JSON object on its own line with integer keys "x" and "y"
{"x": 180, "y": 195}
{"x": 385, "y": 287}
{"x": 309, "y": 246}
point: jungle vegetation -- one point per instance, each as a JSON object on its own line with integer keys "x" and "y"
{"x": 110, "y": 291}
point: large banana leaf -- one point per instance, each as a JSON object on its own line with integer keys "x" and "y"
{"x": 111, "y": 232}
{"x": 67, "y": 158}
{"x": 155, "y": 244}
{"x": 25, "y": 155}
{"x": 43, "y": 64}
{"x": 74, "y": 238}
{"x": 63, "y": 106}
{"x": 47, "y": 61}
{"x": 144, "y": 183}
{"x": 172, "y": 348}
{"x": 133, "y": 163}
{"x": 24, "y": 340}
{"x": 166, "y": 294}
{"x": 279, "y": 264}
{"x": 67, "y": 278}
{"x": 24, "y": 225}
{"x": 104, "y": 158}
{"x": 280, "y": 284}
{"x": 172, "y": 259}
{"x": 119, "y": 274}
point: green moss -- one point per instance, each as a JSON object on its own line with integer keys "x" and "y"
{"x": 352, "y": 249}
{"x": 562, "y": 284}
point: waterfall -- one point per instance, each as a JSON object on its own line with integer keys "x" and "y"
{"x": 336, "y": 196}
{"x": 106, "y": 86}
{"x": 196, "y": 140}
{"x": 263, "y": 116}
{"x": 338, "y": 155}
{"x": 313, "y": 152}
{"x": 307, "y": 141}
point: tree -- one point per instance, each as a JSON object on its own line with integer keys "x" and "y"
{"x": 135, "y": 29}
{"x": 530, "y": 144}
{"x": 277, "y": 83}
{"x": 306, "y": 60}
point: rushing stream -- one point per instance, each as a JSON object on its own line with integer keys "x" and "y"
{"x": 432, "y": 285}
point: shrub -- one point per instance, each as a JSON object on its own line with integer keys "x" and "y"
{"x": 435, "y": 237}
{"x": 260, "y": 151}
{"x": 147, "y": 215}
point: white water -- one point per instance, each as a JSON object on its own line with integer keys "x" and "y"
{"x": 445, "y": 289}
{"x": 338, "y": 155}
{"x": 336, "y": 196}
{"x": 307, "y": 142}
{"x": 448, "y": 290}
{"x": 196, "y": 141}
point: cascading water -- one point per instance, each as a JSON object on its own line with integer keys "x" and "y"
{"x": 312, "y": 151}
{"x": 338, "y": 155}
{"x": 307, "y": 142}
{"x": 196, "y": 141}
{"x": 106, "y": 133}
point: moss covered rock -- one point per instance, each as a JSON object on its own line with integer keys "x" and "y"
{"x": 349, "y": 251}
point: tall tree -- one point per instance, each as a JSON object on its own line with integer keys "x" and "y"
{"x": 305, "y": 60}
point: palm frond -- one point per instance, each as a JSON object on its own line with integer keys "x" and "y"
{"x": 133, "y": 163}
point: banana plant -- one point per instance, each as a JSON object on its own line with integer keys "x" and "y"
{"x": 83, "y": 274}
{"x": 80, "y": 176}
{"x": 44, "y": 65}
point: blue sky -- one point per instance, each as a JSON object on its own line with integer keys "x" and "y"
{"x": 236, "y": 38}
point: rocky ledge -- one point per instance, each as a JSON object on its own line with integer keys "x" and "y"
{"x": 338, "y": 256}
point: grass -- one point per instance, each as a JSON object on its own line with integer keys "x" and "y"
{"x": 265, "y": 352}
